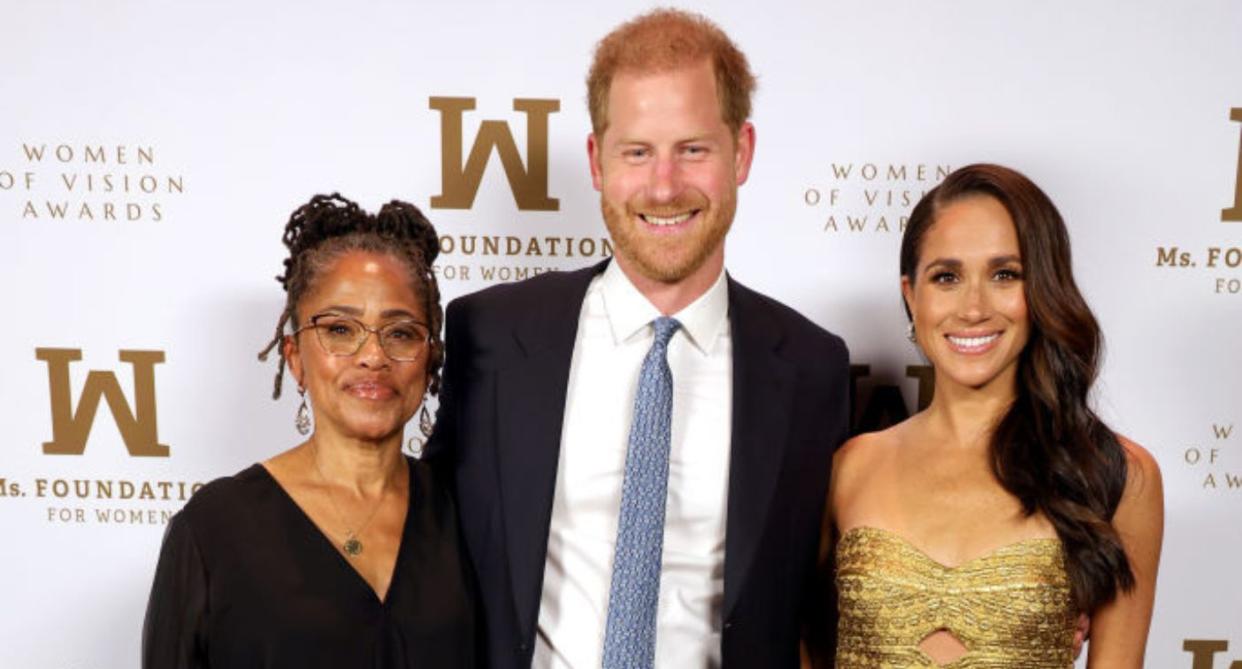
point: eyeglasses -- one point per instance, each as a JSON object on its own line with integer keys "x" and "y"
{"x": 402, "y": 341}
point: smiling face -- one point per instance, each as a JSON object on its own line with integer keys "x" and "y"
{"x": 367, "y": 395}
{"x": 667, "y": 168}
{"x": 967, "y": 298}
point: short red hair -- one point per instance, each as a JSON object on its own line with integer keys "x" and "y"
{"x": 664, "y": 40}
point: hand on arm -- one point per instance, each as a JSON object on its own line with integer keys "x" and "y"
{"x": 1082, "y": 629}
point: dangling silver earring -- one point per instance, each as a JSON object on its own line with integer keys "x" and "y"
{"x": 415, "y": 444}
{"x": 303, "y": 420}
{"x": 910, "y": 333}
{"x": 424, "y": 421}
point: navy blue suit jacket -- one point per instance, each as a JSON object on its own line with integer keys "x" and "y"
{"x": 499, "y": 431}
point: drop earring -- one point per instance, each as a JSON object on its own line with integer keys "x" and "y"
{"x": 303, "y": 421}
{"x": 424, "y": 421}
{"x": 415, "y": 444}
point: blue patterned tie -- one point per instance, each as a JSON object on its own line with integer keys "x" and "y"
{"x": 629, "y": 639}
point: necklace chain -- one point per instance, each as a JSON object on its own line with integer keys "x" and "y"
{"x": 352, "y": 545}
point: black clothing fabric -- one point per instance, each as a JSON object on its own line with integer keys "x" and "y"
{"x": 246, "y": 580}
{"x": 502, "y": 405}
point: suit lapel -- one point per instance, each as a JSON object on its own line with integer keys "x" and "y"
{"x": 530, "y": 406}
{"x": 763, "y": 387}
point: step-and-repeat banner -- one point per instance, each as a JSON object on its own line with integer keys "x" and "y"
{"x": 150, "y": 154}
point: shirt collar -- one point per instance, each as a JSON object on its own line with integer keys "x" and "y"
{"x": 629, "y": 312}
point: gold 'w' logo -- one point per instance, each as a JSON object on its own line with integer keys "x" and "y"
{"x": 70, "y": 429}
{"x": 460, "y": 179}
{"x": 1203, "y": 652}
{"x": 1234, "y": 213}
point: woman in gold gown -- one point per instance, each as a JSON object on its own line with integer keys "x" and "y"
{"x": 975, "y": 533}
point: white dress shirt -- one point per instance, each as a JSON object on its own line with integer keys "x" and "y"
{"x": 614, "y": 335}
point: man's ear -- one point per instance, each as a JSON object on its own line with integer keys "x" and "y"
{"x": 744, "y": 154}
{"x": 593, "y": 149}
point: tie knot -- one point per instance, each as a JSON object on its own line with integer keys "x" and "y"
{"x": 665, "y": 328}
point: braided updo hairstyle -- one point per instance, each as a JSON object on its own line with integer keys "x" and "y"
{"x": 322, "y": 230}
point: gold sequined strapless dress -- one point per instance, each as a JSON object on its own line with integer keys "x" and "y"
{"x": 1009, "y": 608}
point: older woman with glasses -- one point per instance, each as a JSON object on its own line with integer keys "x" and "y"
{"x": 339, "y": 552}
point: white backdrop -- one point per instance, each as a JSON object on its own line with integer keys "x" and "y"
{"x": 175, "y": 138}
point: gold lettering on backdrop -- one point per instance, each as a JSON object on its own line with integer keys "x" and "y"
{"x": 92, "y": 181}
{"x": 460, "y": 179}
{"x": 884, "y": 404}
{"x": 1203, "y": 652}
{"x": 927, "y": 383}
{"x": 1234, "y": 213}
{"x": 70, "y": 429}
{"x": 119, "y": 154}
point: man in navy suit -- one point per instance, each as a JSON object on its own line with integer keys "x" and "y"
{"x": 641, "y": 449}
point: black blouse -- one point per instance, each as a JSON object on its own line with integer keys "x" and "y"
{"x": 245, "y": 579}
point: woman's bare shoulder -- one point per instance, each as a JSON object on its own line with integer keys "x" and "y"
{"x": 1143, "y": 478}
{"x": 865, "y": 447}
{"x": 864, "y": 457}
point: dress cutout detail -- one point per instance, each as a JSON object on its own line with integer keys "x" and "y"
{"x": 1010, "y": 608}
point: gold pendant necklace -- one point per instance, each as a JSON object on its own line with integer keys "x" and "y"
{"x": 352, "y": 545}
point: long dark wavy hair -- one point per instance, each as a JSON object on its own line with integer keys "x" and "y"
{"x": 328, "y": 226}
{"x": 1049, "y": 450}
